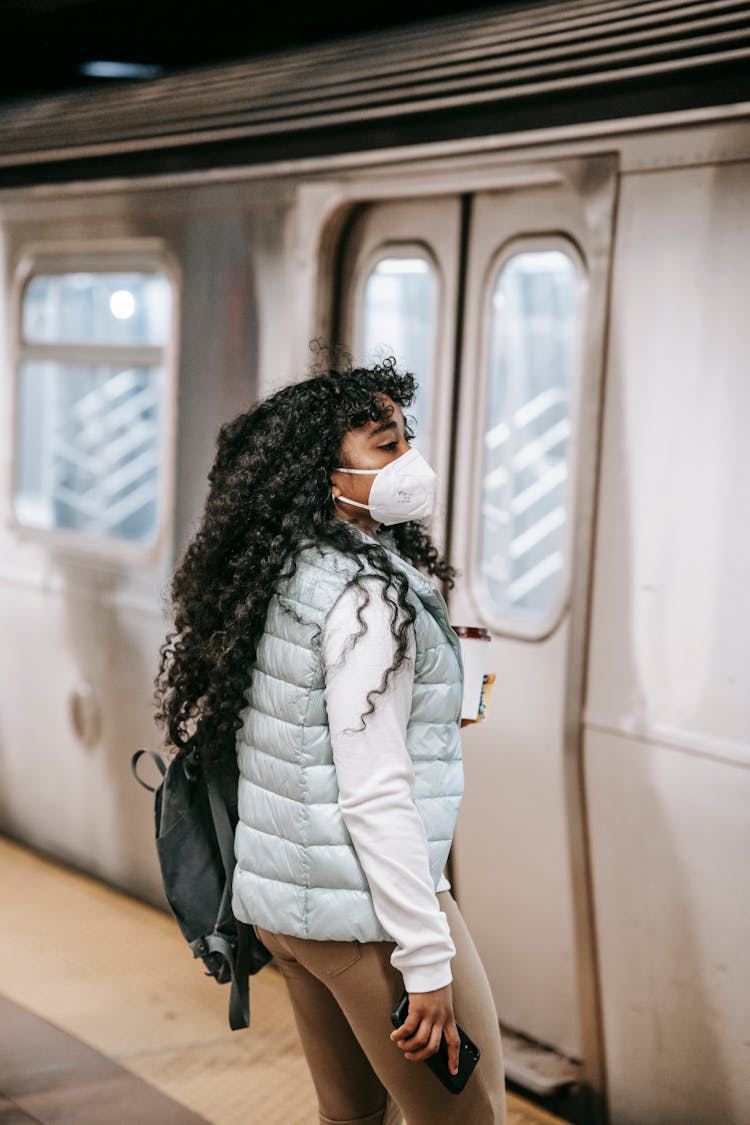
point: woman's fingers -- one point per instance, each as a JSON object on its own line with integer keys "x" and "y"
{"x": 450, "y": 1031}
{"x": 430, "y": 1015}
{"x": 431, "y": 1048}
{"x": 407, "y": 1029}
{"x": 419, "y": 1039}
{"x": 454, "y": 1045}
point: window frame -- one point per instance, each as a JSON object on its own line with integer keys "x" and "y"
{"x": 398, "y": 248}
{"x": 498, "y": 623}
{"x": 144, "y": 255}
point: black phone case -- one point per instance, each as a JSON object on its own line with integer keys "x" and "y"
{"x": 468, "y": 1055}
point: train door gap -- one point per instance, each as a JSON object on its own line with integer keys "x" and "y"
{"x": 540, "y": 1071}
{"x": 568, "y": 1105}
{"x": 466, "y": 201}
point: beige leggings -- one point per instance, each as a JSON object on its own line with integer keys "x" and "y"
{"x": 342, "y": 993}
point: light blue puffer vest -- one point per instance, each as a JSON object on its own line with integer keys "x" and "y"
{"x": 297, "y": 871}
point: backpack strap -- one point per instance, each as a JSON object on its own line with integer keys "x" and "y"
{"x": 134, "y": 766}
{"x": 239, "y": 999}
{"x": 223, "y": 828}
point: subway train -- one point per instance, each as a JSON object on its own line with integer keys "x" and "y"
{"x": 543, "y": 211}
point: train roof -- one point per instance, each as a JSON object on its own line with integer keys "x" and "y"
{"x": 485, "y": 72}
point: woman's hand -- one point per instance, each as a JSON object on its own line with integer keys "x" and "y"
{"x": 430, "y": 1017}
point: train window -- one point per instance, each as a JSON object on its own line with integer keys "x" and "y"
{"x": 97, "y": 308}
{"x": 531, "y": 354}
{"x": 91, "y": 401}
{"x": 400, "y": 317}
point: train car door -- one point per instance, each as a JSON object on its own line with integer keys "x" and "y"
{"x": 525, "y": 459}
{"x": 513, "y": 425}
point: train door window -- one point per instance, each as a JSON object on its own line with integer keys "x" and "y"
{"x": 93, "y": 362}
{"x": 531, "y": 354}
{"x": 399, "y": 317}
{"x": 397, "y": 282}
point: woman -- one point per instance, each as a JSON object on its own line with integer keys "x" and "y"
{"x": 304, "y": 572}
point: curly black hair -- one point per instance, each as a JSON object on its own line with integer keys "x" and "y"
{"x": 269, "y": 497}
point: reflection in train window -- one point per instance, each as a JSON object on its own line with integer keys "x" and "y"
{"x": 97, "y": 308}
{"x": 91, "y": 395}
{"x": 400, "y": 318}
{"x": 531, "y": 355}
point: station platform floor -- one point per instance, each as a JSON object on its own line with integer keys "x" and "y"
{"x": 106, "y": 1018}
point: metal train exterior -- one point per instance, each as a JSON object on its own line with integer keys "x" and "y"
{"x": 573, "y": 298}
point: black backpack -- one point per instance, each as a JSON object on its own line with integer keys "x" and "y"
{"x": 195, "y": 818}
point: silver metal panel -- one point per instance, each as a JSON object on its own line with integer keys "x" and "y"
{"x": 471, "y": 61}
{"x": 670, "y": 839}
{"x": 668, "y": 705}
{"x": 82, "y": 630}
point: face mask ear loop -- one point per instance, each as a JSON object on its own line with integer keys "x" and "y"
{"x": 371, "y": 471}
{"x": 343, "y": 500}
{"x": 356, "y": 503}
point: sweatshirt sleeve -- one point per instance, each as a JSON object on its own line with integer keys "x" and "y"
{"x": 376, "y": 780}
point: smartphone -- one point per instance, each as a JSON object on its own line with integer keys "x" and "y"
{"x": 468, "y": 1054}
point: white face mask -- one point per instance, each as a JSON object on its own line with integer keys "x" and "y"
{"x": 403, "y": 489}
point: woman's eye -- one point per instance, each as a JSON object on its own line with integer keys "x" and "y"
{"x": 390, "y": 445}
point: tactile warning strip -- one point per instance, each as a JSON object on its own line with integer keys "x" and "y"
{"x": 117, "y": 975}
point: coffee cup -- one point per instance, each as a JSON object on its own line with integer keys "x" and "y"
{"x": 474, "y": 639}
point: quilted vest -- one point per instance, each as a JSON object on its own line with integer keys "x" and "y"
{"x": 297, "y": 871}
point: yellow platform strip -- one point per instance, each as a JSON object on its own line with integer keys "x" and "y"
{"x": 117, "y": 975}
